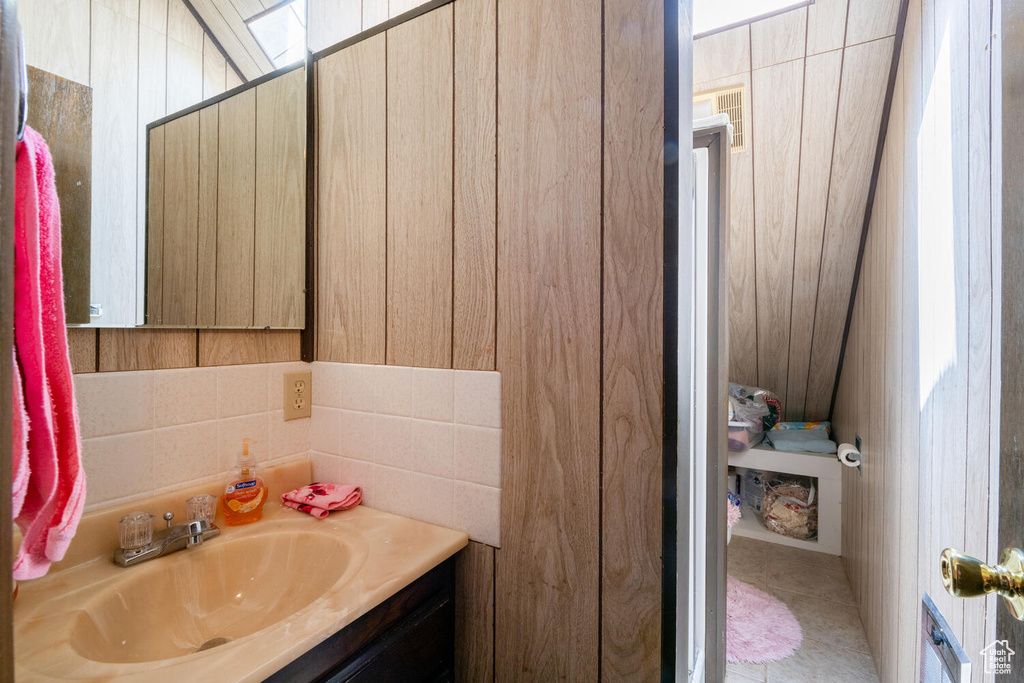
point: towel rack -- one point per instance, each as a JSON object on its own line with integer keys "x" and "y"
{"x": 22, "y": 85}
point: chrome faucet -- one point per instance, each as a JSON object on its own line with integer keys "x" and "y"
{"x": 139, "y": 543}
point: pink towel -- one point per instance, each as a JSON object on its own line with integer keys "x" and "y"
{"x": 55, "y": 491}
{"x": 319, "y": 499}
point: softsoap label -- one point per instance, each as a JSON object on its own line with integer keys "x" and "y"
{"x": 245, "y": 484}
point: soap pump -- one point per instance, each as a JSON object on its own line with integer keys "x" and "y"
{"x": 246, "y": 493}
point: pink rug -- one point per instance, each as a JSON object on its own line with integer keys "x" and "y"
{"x": 759, "y": 628}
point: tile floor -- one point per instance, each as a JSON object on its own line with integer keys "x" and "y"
{"x": 815, "y": 588}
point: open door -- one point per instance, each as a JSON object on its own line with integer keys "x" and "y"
{"x": 702, "y": 354}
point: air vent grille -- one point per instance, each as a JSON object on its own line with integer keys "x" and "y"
{"x": 731, "y": 101}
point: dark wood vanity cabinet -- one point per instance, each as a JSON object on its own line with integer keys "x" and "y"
{"x": 409, "y": 637}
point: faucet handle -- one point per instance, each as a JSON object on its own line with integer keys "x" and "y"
{"x": 168, "y": 516}
{"x": 135, "y": 530}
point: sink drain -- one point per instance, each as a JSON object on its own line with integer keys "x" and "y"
{"x": 212, "y": 643}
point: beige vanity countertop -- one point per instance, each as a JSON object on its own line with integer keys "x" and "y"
{"x": 387, "y": 553}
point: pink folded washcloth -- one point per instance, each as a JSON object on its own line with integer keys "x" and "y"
{"x": 318, "y": 499}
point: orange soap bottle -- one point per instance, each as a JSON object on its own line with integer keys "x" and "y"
{"x": 246, "y": 493}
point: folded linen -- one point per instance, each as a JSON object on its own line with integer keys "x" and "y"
{"x": 319, "y": 499}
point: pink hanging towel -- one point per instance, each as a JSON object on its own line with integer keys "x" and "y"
{"x": 55, "y": 489}
{"x": 320, "y": 499}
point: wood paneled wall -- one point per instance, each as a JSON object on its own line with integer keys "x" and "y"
{"x": 816, "y": 77}
{"x": 489, "y": 180}
{"x": 920, "y": 382}
{"x": 118, "y": 350}
{"x": 144, "y": 59}
{"x": 227, "y": 211}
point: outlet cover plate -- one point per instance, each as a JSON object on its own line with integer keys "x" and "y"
{"x": 298, "y": 394}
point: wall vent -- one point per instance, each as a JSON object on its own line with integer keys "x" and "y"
{"x": 731, "y": 101}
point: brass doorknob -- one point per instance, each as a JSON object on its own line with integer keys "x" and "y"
{"x": 968, "y": 577}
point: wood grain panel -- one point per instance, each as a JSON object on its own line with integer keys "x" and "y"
{"x": 155, "y": 230}
{"x": 742, "y": 257}
{"x": 982, "y": 443}
{"x": 374, "y": 12}
{"x": 396, "y": 7}
{"x": 279, "y": 299}
{"x": 181, "y": 220}
{"x": 184, "y": 76}
{"x": 214, "y": 69}
{"x": 240, "y": 347}
{"x": 153, "y": 14}
{"x": 139, "y": 349}
{"x": 865, "y": 71}
{"x": 183, "y": 27}
{"x": 473, "y": 302}
{"x": 115, "y": 174}
{"x": 821, "y": 77}
{"x": 58, "y": 22}
{"x": 206, "y": 269}
{"x": 235, "y": 38}
{"x": 351, "y": 203}
{"x": 826, "y": 26}
{"x": 870, "y": 20}
{"x": 152, "y": 106}
{"x": 231, "y": 79}
{"x": 62, "y": 113}
{"x": 474, "y": 614}
{"x": 419, "y": 238}
{"x": 778, "y": 39}
{"x": 549, "y": 339}
{"x": 923, "y": 334}
{"x": 82, "y": 349}
{"x": 721, "y": 54}
{"x": 633, "y": 330}
{"x": 332, "y": 21}
{"x": 236, "y": 205}
{"x": 776, "y": 179}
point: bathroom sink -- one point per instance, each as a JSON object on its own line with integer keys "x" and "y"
{"x": 239, "y": 607}
{"x": 196, "y": 600}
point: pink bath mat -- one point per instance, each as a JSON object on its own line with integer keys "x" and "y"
{"x": 759, "y": 628}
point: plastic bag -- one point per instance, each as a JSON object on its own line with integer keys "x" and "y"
{"x": 755, "y": 404}
{"x": 790, "y": 507}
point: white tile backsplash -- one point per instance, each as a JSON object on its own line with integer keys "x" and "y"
{"x": 478, "y": 398}
{"x": 478, "y": 455}
{"x": 114, "y": 403}
{"x": 424, "y": 443}
{"x": 242, "y": 390}
{"x": 412, "y": 437}
{"x": 156, "y": 429}
{"x": 118, "y": 466}
{"x": 184, "y": 396}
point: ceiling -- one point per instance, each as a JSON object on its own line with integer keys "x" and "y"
{"x": 225, "y": 21}
{"x": 816, "y": 78}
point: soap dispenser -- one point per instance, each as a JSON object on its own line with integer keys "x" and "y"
{"x": 245, "y": 493}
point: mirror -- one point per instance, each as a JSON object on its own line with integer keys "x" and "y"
{"x": 200, "y": 69}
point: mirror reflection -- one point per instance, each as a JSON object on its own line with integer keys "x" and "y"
{"x": 106, "y": 71}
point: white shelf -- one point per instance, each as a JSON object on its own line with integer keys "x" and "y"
{"x": 748, "y": 527}
{"x": 826, "y": 468}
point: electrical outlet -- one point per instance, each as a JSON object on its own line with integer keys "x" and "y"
{"x": 298, "y": 394}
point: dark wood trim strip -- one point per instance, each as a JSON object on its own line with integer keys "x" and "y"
{"x": 383, "y": 26}
{"x": 208, "y": 32}
{"x": 8, "y": 130}
{"x": 226, "y": 94}
{"x": 897, "y": 49}
{"x": 670, "y": 313}
{"x": 308, "y": 338}
{"x": 759, "y": 17}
